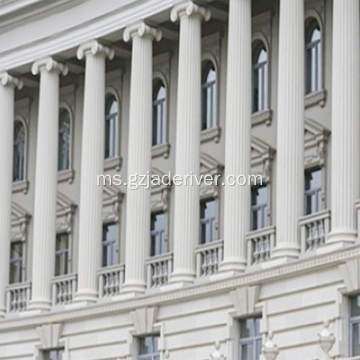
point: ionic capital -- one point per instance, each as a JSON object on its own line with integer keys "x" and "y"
{"x": 50, "y": 65}
{"x": 8, "y": 80}
{"x": 94, "y": 48}
{"x": 140, "y": 29}
{"x": 189, "y": 8}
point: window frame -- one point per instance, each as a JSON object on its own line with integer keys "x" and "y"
{"x": 152, "y": 355}
{"x": 46, "y": 352}
{"x": 158, "y": 82}
{"x": 205, "y": 221}
{"x": 66, "y": 261}
{"x": 251, "y": 339}
{"x": 317, "y": 191}
{"x": 352, "y": 320}
{"x": 112, "y": 93}
{"x": 263, "y": 207}
{"x": 21, "y": 261}
{"x": 164, "y": 243}
{"x": 20, "y": 119}
{"x": 113, "y": 243}
{"x": 207, "y": 63}
{"x": 65, "y": 107}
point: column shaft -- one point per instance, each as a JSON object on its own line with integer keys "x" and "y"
{"x": 345, "y": 120}
{"x": 238, "y": 134}
{"x": 7, "y": 87}
{"x": 43, "y": 266}
{"x": 290, "y": 128}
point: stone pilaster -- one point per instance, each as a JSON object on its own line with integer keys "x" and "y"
{"x": 7, "y": 92}
{"x": 139, "y": 149}
{"x": 92, "y": 165}
{"x": 187, "y": 157}
{"x": 43, "y": 265}
{"x": 345, "y": 121}
{"x": 290, "y": 129}
{"x": 237, "y": 135}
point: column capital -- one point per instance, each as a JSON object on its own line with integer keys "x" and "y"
{"x": 94, "y": 48}
{"x": 8, "y": 80}
{"x": 189, "y": 8}
{"x": 140, "y": 29}
{"x": 50, "y": 65}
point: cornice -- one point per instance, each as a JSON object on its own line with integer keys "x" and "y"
{"x": 298, "y": 267}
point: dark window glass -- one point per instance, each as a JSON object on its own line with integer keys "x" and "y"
{"x": 259, "y": 198}
{"x": 159, "y": 113}
{"x": 259, "y": 77}
{"x": 313, "y": 181}
{"x": 111, "y": 117}
{"x": 207, "y": 221}
{"x": 250, "y": 339}
{"x": 158, "y": 245}
{"x": 53, "y": 354}
{"x": 16, "y": 262}
{"x": 208, "y": 117}
{"x": 64, "y": 140}
{"x": 355, "y": 326}
{"x": 109, "y": 245}
{"x": 19, "y": 151}
{"x": 148, "y": 348}
{"x": 62, "y": 254}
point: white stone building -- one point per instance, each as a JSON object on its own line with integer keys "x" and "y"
{"x": 119, "y": 87}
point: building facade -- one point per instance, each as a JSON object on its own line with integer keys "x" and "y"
{"x": 99, "y": 271}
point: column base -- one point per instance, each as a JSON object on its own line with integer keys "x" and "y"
{"x": 182, "y": 276}
{"x": 286, "y": 251}
{"x": 233, "y": 266}
{"x": 87, "y": 297}
{"x": 133, "y": 286}
{"x": 39, "y": 304}
{"x": 342, "y": 236}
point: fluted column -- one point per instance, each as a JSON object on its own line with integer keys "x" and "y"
{"x": 43, "y": 265}
{"x": 7, "y": 93}
{"x": 290, "y": 129}
{"x": 139, "y": 149}
{"x": 345, "y": 138}
{"x": 238, "y": 134}
{"x": 187, "y": 157}
{"x": 92, "y": 165}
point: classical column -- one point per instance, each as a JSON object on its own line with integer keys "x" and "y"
{"x": 290, "y": 129}
{"x": 43, "y": 265}
{"x": 187, "y": 157}
{"x": 237, "y": 135}
{"x": 345, "y": 136}
{"x": 92, "y": 165}
{"x": 7, "y": 93}
{"x": 139, "y": 149}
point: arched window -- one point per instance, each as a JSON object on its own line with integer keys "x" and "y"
{"x": 159, "y": 113}
{"x": 111, "y": 118}
{"x": 19, "y": 151}
{"x": 64, "y": 140}
{"x": 313, "y": 55}
{"x": 260, "y": 77}
{"x": 208, "y": 116}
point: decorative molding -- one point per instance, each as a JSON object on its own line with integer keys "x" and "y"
{"x": 144, "y": 320}
{"x": 140, "y": 29}
{"x": 189, "y": 8}
{"x": 245, "y": 299}
{"x": 66, "y": 175}
{"x": 212, "y": 44}
{"x": 93, "y": 47}
{"x": 49, "y": 335}
{"x": 224, "y": 285}
{"x": 65, "y": 209}
{"x": 160, "y": 193}
{"x": 261, "y": 117}
{"x": 212, "y": 134}
{"x": 217, "y": 355}
{"x": 262, "y": 156}
{"x": 326, "y": 340}
{"x": 8, "y": 80}
{"x": 160, "y": 150}
{"x": 350, "y": 273}
{"x": 112, "y": 199}
{"x": 262, "y": 23}
{"x": 20, "y": 186}
{"x": 113, "y": 163}
{"x": 315, "y": 98}
{"x": 50, "y": 65}
{"x": 270, "y": 350}
{"x": 19, "y": 222}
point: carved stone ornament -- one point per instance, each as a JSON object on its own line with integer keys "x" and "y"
{"x": 270, "y": 350}
{"x": 326, "y": 340}
{"x": 217, "y": 355}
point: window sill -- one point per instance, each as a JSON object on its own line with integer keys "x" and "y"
{"x": 20, "y": 186}
{"x": 315, "y": 98}
{"x": 160, "y": 150}
{"x": 260, "y": 117}
{"x": 212, "y": 134}
{"x": 66, "y": 175}
{"x": 111, "y": 163}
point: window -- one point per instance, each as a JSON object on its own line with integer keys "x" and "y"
{"x": 207, "y": 221}
{"x": 61, "y": 254}
{"x": 53, "y": 354}
{"x": 148, "y": 348}
{"x": 64, "y": 140}
{"x": 109, "y": 244}
{"x": 111, "y": 118}
{"x": 313, "y": 56}
{"x": 313, "y": 191}
{"x": 208, "y": 117}
{"x": 159, "y": 113}
{"x": 16, "y": 262}
{"x": 355, "y": 326}
{"x": 259, "y": 77}
{"x": 250, "y": 339}
{"x": 158, "y": 245}
{"x": 19, "y": 151}
{"x": 259, "y": 199}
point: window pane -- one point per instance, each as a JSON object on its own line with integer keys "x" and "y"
{"x": 313, "y": 188}
{"x": 355, "y": 339}
{"x": 19, "y": 151}
{"x": 313, "y": 56}
{"x": 16, "y": 261}
{"x": 158, "y": 245}
{"x": 159, "y": 113}
{"x": 207, "y": 221}
{"x": 62, "y": 254}
{"x": 259, "y": 77}
{"x": 64, "y": 140}
{"x": 208, "y": 117}
{"x": 259, "y": 197}
{"x": 247, "y": 352}
{"x": 111, "y": 118}
{"x": 109, "y": 244}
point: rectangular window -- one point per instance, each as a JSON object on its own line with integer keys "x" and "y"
{"x": 62, "y": 254}
{"x": 250, "y": 339}
{"x": 16, "y": 262}
{"x": 355, "y": 326}
{"x": 313, "y": 189}
{"x": 207, "y": 221}
{"x": 148, "y": 348}
{"x": 109, "y": 245}
{"x": 158, "y": 245}
{"x": 259, "y": 198}
{"x": 56, "y": 354}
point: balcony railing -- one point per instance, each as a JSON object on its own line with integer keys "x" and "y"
{"x": 260, "y": 244}
{"x": 63, "y": 289}
{"x": 17, "y": 297}
{"x": 314, "y": 230}
{"x": 111, "y": 280}
{"x": 158, "y": 270}
{"x": 208, "y": 258}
